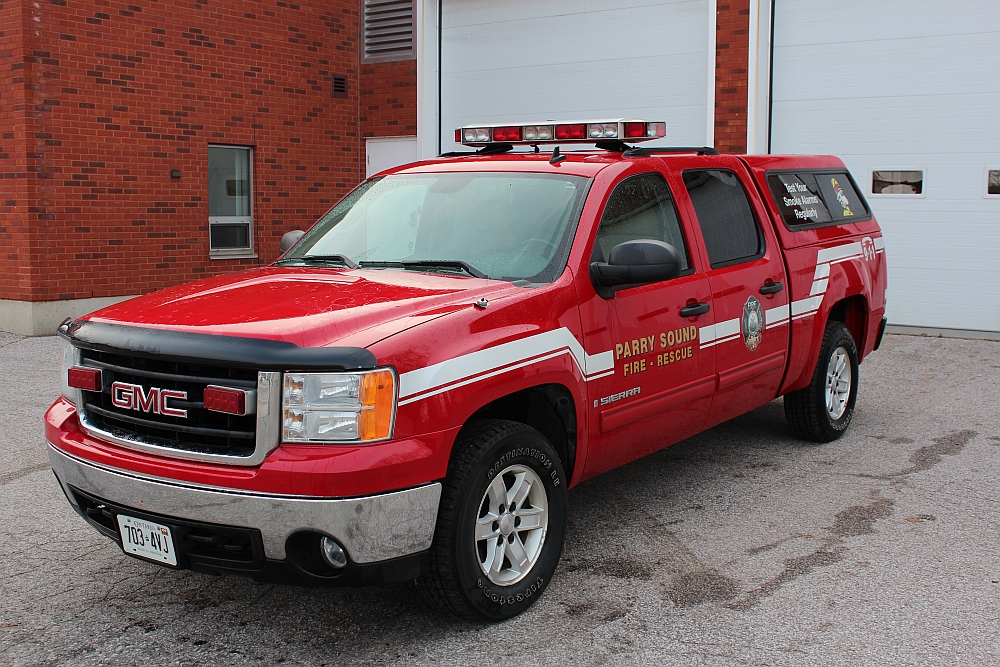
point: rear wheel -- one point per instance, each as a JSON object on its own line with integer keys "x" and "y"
{"x": 823, "y": 410}
{"x": 501, "y": 523}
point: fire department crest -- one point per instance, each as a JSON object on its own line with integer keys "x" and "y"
{"x": 752, "y": 323}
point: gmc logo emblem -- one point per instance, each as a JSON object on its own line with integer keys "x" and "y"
{"x": 135, "y": 397}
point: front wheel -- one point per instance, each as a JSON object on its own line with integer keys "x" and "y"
{"x": 501, "y": 524}
{"x": 823, "y": 410}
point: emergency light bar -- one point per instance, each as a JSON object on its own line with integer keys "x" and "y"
{"x": 550, "y": 132}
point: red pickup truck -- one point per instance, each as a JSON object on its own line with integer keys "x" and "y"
{"x": 411, "y": 388}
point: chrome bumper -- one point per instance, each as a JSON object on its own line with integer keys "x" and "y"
{"x": 371, "y": 529}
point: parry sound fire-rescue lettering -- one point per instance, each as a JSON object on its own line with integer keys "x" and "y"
{"x": 647, "y": 344}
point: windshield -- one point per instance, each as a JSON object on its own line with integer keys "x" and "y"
{"x": 516, "y": 227}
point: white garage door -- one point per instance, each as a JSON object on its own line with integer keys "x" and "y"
{"x": 383, "y": 153}
{"x": 895, "y": 87}
{"x": 529, "y": 60}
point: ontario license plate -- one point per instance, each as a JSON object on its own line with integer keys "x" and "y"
{"x": 147, "y": 539}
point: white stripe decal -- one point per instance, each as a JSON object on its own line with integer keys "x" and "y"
{"x": 722, "y": 332}
{"x": 819, "y": 286}
{"x": 846, "y": 259}
{"x": 468, "y": 368}
{"x": 717, "y": 341}
{"x": 775, "y": 316}
{"x": 711, "y": 334}
{"x": 804, "y": 307}
{"x": 477, "y": 378}
{"x": 500, "y": 359}
{"x": 838, "y": 252}
{"x": 821, "y": 278}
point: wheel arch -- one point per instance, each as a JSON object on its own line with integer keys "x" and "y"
{"x": 549, "y": 408}
{"x": 852, "y": 311}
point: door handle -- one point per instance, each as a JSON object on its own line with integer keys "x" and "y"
{"x": 694, "y": 309}
{"x": 771, "y": 288}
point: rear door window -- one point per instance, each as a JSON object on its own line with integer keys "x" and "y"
{"x": 815, "y": 198}
{"x": 727, "y": 221}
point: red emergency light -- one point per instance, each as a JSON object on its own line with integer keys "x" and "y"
{"x": 225, "y": 399}
{"x": 551, "y": 132}
{"x": 81, "y": 377}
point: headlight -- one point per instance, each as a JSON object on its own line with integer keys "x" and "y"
{"x": 338, "y": 407}
{"x": 68, "y": 360}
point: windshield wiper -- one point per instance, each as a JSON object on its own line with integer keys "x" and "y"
{"x": 341, "y": 259}
{"x": 427, "y": 264}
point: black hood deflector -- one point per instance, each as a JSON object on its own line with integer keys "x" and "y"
{"x": 233, "y": 351}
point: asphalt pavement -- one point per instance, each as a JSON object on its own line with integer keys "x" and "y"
{"x": 741, "y": 546}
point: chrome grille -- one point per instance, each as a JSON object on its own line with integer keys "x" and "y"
{"x": 203, "y": 432}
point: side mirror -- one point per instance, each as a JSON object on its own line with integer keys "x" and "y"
{"x": 290, "y": 239}
{"x": 634, "y": 263}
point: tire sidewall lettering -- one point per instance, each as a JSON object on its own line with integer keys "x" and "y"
{"x": 521, "y": 446}
{"x": 518, "y": 452}
{"x": 504, "y": 597}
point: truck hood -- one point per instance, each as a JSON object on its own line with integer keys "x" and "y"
{"x": 310, "y": 307}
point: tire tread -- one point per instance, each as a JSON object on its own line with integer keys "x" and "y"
{"x": 805, "y": 408}
{"x": 437, "y": 582}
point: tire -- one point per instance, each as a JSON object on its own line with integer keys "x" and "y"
{"x": 818, "y": 412}
{"x": 465, "y": 576}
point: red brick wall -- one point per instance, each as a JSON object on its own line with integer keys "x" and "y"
{"x": 123, "y": 92}
{"x": 389, "y": 99}
{"x": 731, "y": 62}
{"x": 15, "y": 231}
{"x": 104, "y": 98}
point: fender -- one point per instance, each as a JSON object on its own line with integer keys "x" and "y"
{"x": 821, "y": 277}
{"x": 451, "y": 367}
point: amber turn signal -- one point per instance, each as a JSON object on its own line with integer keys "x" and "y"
{"x": 378, "y": 399}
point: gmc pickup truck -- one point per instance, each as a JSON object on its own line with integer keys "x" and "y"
{"x": 411, "y": 388}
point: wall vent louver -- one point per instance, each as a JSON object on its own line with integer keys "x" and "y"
{"x": 339, "y": 85}
{"x": 387, "y": 28}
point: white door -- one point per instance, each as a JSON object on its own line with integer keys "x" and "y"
{"x": 530, "y": 60}
{"x": 383, "y": 153}
{"x": 905, "y": 86}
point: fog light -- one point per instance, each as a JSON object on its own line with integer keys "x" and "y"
{"x": 333, "y": 553}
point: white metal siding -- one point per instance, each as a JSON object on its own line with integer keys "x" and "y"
{"x": 522, "y": 60}
{"x": 900, "y": 84}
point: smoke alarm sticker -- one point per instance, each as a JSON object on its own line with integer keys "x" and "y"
{"x": 841, "y": 197}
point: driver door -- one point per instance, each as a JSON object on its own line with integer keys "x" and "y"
{"x": 660, "y": 390}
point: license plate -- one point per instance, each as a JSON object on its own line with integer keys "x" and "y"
{"x": 147, "y": 539}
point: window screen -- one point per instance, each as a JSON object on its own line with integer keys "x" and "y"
{"x": 640, "y": 208}
{"x": 806, "y": 198}
{"x": 727, "y": 221}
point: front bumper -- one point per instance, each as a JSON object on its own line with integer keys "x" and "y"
{"x": 371, "y": 529}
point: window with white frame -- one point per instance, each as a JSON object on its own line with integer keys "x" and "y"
{"x": 992, "y": 183}
{"x": 906, "y": 182}
{"x": 230, "y": 214}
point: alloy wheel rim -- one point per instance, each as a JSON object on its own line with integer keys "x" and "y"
{"x": 838, "y": 383}
{"x": 511, "y": 525}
